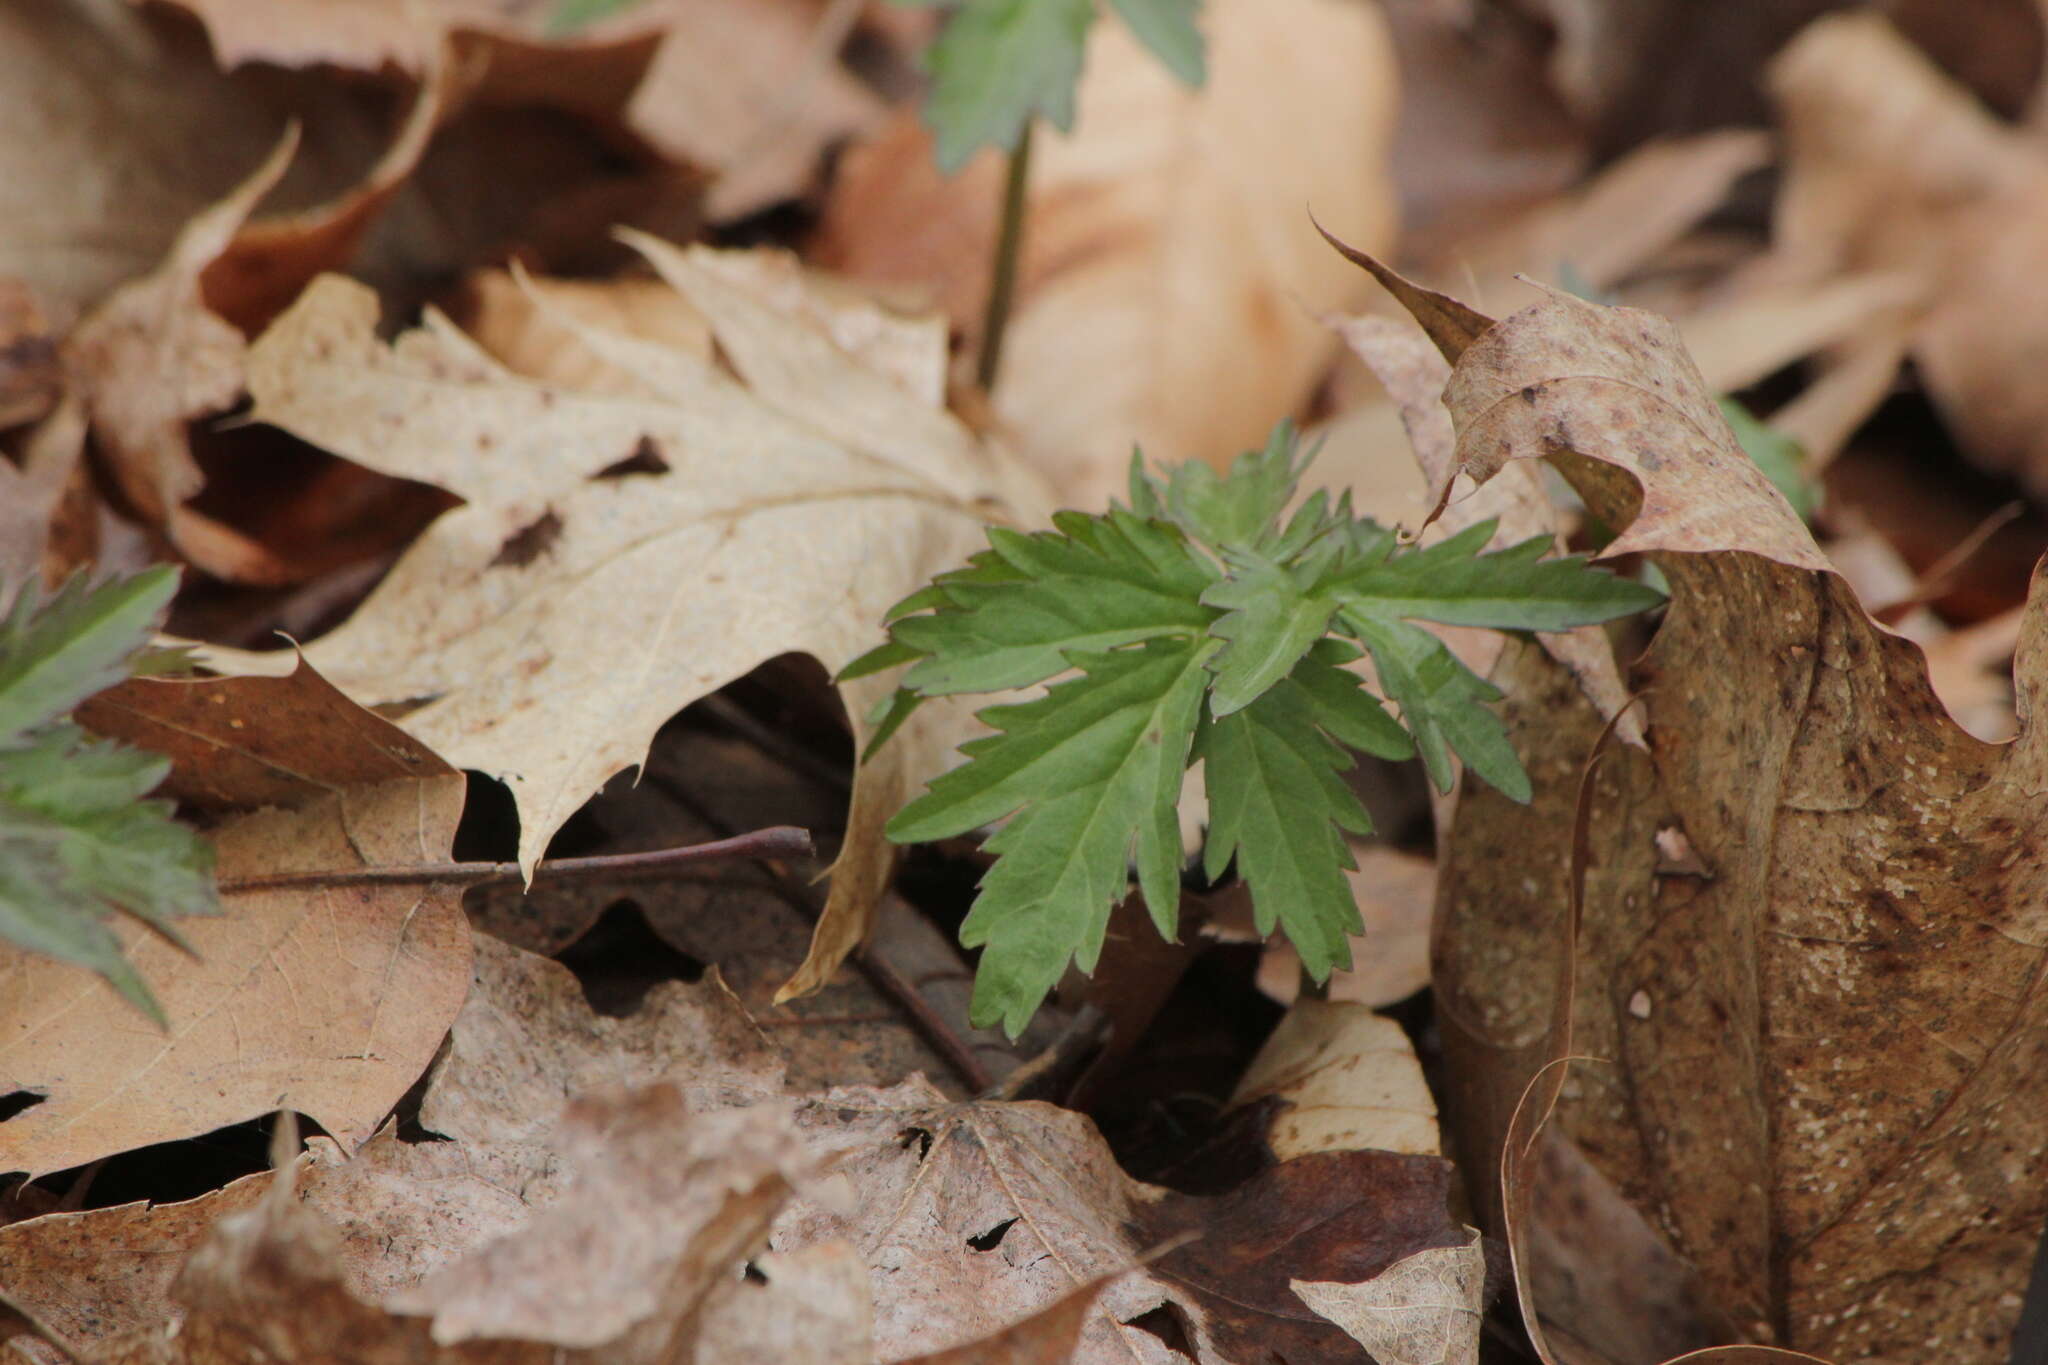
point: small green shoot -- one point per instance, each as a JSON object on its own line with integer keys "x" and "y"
{"x": 1203, "y": 621}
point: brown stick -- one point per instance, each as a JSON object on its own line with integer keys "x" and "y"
{"x": 777, "y": 841}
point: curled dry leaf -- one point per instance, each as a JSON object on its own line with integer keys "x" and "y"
{"x": 326, "y": 1000}
{"x": 1854, "y": 986}
{"x": 751, "y": 90}
{"x": 1348, "y": 1080}
{"x": 1170, "y": 278}
{"x": 167, "y": 349}
{"x": 623, "y": 554}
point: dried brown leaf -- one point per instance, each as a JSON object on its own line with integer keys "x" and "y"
{"x": 1854, "y": 984}
{"x": 562, "y": 616}
{"x": 1425, "y": 1309}
{"x": 326, "y": 1000}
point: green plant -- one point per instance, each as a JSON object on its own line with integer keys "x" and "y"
{"x": 1202, "y": 623}
{"x": 77, "y": 839}
{"x": 998, "y": 65}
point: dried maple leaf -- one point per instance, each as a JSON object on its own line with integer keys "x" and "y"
{"x": 575, "y": 604}
{"x": 1854, "y": 982}
{"x": 326, "y": 999}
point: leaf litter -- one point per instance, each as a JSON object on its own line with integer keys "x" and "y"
{"x": 1806, "y": 897}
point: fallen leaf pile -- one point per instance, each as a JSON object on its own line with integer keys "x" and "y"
{"x": 544, "y": 400}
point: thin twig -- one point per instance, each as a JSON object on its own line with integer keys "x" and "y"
{"x": 778, "y": 841}
{"x": 1002, "y": 284}
{"x": 933, "y": 1027}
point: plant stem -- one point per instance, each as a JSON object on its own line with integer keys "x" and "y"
{"x": 777, "y": 841}
{"x": 1002, "y": 284}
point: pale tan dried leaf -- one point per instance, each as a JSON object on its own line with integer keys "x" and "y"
{"x": 514, "y": 319}
{"x": 329, "y": 1000}
{"x": 32, "y": 493}
{"x": 812, "y": 1307}
{"x": 1349, "y": 1079}
{"x": 1395, "y": 893}
{"x": 563, "y": 616}
{"x": 1033, "y": 1182}
{"x": 1171, "y": 277}
{"x": 1425, "y": 1310}
{"x": 1892, "y": 166}
{"x": 1862, "y": 959}
{"x": 665, "y": 1203}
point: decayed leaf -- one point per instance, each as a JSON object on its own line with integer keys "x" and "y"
{"x": 1170, "y": 276}
{"x": 1349, "y": 1081}
{"x": 976, "y": 1216}
{"x": 1823, "y": 1050}
{"x": 329, "y": 999}
{"x": 569, "y": 610}
{"x": 1425, "y": 1309}
{"x": 808, "y": 1307}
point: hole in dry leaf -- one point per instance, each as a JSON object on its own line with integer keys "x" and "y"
{"x": 922, "y": 1137}
{"x": 621, "y": 958}
{"x": 1170, "y": 1325}
{"x": 753, "y": 1274}
{"x": 645, "y": 459}
{"x": 20, "y": 1100}
{"x": 993, "y": 1238}
{"x": 529, "y": 543}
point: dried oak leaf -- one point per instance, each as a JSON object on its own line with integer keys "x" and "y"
{"x": 325, "y": 999}
{"x": 563, "y": 615}
{"x": 974, "y": 1216}
{"x": 1856, "y": 987}
{"x": 1169, "y": 284}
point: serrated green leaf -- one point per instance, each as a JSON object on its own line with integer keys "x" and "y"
{"x": 1167, "y": 27}
{"x": 1269, "y": 622}
{"x": 1442, "y": 703}
{"x": 1342, "y": 705}
{"x": 1015, "y": 615}
{"x": 1278, "y": 804}
{"x": 61, "y": 772}
{"x": 888, "y": 717}
{"x": 55, "y": 654}
{"x": 568, "y": 16}
{"x": 999, "y": 63}
{"x": 1240, "y": 509}
{"x": 1093, "y": 770}
{"x": 39, "y": 907}
{"x": 1511, "y": 589}
{"x": 879, "y": 660}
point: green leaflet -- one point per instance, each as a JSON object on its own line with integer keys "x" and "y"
{"x": 77, "y": 839}
{"x": 997, "y": 65}
{"x": 1511, "y": 589}
{"x": 55, "y": 654}
{"x": 1278, "y": 805}
{"x": 1442, "y": 703}
{"x": 1095, "y": 767}
{"x": 1093, "y": 583}
{"x": 1000, "y": 63}
{"x": 1205, "y": 620}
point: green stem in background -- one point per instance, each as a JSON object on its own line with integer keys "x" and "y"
{"x": 1002, "y": 284}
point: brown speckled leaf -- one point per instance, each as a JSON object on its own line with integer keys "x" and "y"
{"x": 1855, "y": 984}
